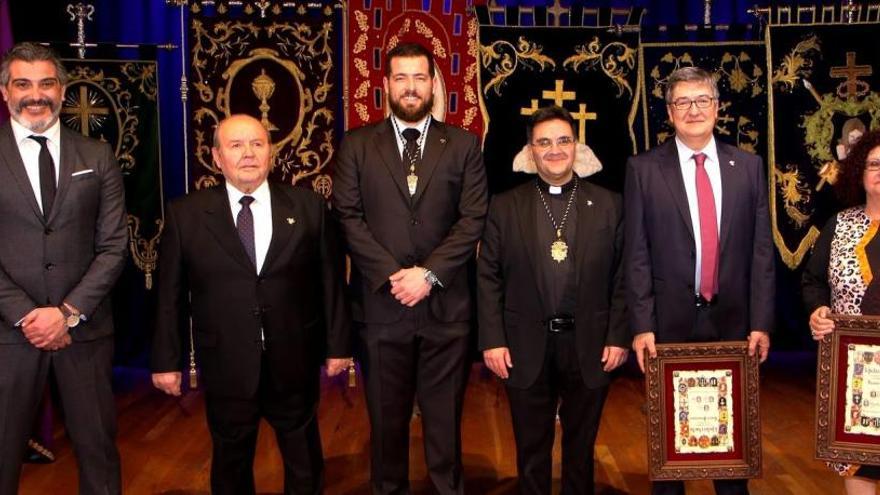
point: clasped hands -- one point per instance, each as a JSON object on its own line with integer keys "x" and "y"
{"x": 46, "y": 328}
{"x": 408, "y": 285}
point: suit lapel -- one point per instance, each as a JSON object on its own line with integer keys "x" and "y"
{"x": 586, "y": 226}
{"x": 435, "y": 144}
{"x": 69, "y": 156}
{"x": 386, "y": 145}
{"x": 10, "y": 155}
{"x": 671, "y": 172}
{"x": 285, "y": 214}
{"x": 526, "y": 207}
{"x": 218, "y": 220}
{"x": 729, "y": 190}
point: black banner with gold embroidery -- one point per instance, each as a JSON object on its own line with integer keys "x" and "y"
{"x": 825, "y": 92}
{"x": 590, "y": 71}
{"x": 740, "y": 68}
{"x": 116, "y": 101}
{"x": 275, "y": 61}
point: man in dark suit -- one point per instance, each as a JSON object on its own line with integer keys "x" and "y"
{"x": 62, "y": 246}
{"x": 410, "y": 193}
{"x": 265, "y": 284}
{"x": 699, "y": 256}
{"x": 551, "y": 303}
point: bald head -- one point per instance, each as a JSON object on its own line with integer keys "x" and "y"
{"x": 242, "y": 151}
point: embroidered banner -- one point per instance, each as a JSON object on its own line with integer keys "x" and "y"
{"x": 275, "y": 61}
{"x": 590, "y": 71}
{"x": 740, "y": 68}
{"x": 442, "y": 26}
{"x": 824, "y": 92}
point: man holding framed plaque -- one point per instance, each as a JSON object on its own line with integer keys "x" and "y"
{"x": 699, "y": 255}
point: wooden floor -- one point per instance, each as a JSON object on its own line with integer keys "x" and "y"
{"x": 165, "y": 446}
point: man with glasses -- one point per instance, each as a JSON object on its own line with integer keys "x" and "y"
{"x": 699, "y": 255}
{"x": 551, "y": 303}
{"x": 63, "y": 246}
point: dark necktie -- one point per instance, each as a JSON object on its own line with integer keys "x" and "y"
{"x": 245, "y": 225}
{"x": 708, "y": 230}
{"x": 411, "y": 155}
{"x": 47, "y": 175}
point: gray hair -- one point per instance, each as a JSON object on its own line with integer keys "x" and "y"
{"x": 690, "y": 74}
{"x": 32, "y": 52}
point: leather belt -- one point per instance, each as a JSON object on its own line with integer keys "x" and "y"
{"x": 560, "y": 324}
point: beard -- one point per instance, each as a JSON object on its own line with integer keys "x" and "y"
{"x": 414, "y": 114}
{"x": 35, "y": 125}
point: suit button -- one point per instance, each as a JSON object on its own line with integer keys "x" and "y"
{"x": 50, "y": 266}
{"x": 414, "y": 221}
{"x": 48, "y": 231}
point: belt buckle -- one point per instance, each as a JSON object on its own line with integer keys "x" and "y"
{"x": 557, "y": 324}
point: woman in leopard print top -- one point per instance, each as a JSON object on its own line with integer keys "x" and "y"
{"x": 839, "y": 279}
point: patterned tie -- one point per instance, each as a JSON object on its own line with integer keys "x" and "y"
{"x": 47, "y": 175}
{"x": 245, "y": 225}
{"x": 411, "y": 155}
{"x": 708, "y": 230}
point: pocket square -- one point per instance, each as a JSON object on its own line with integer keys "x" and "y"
{"x": 82, "y": 172}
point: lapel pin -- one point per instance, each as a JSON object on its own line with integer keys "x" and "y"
{"x": 291, "y": 220}
{"x": 589, "y": 203}
{"x": 443, "y": 140}
{"x": 732, "y": 163}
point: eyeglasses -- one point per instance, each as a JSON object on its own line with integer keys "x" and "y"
{"x": 545, "y": 144}
{"x": 872, "y": 165}
{"x": 702, "y": 102}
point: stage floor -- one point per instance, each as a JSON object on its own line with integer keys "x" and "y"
{"x": 165, "y": 445}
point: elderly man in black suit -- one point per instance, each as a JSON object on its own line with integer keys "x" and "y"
{"x": 699, "y": 255}
{"x": 551, "y": 303}
{"x": 63, "y": 243}
{"x": 410, "y": 193}
{"x": 263, "y": 272}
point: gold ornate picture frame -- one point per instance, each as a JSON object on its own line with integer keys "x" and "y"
{"x": 848, "y": 391}
{"x": 704, "y": 417}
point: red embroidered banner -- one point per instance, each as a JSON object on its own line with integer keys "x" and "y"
{"x": 443, "y": 26}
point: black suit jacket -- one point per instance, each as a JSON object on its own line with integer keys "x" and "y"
{"x": 510, "y": 306}
{"x": 78, "y": 253}
{"x": 297, "y": 298}
{"x": 387, "y": 230}
{"x": 660, "y": 249}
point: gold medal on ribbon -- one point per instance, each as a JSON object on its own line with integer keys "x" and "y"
{"x": 412, "y": 180}
{"x": 559, "y": 251}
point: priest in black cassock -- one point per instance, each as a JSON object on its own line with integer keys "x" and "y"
{"x": 551, "y": 302}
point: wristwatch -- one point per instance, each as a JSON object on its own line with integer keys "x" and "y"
{"x": 431, "y": 278}
{"x": 72, "y": 316}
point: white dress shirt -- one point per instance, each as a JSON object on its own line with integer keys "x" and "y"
{"x": 689, "y": 174}
{"x": 419, "y": 126}
{"x": 30, "y": 153}
{"x": 261, "y": 208}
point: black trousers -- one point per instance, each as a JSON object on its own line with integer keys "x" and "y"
{"x": 234, "y": 424}
{"x": 83, "y": 373}
{"x": 722, "y": 487}
{"x": 416, "y": 358}
{"x": 534, "y": 421}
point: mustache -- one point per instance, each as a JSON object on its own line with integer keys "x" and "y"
{"x": 36, "y": 101}
{"x": 409, "y": 93}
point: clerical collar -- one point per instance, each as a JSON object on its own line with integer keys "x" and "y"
{"x": 554, "y": 190}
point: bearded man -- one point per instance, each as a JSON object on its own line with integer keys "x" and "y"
{"x": 63, "y": 246}
{"x": 410, "y": 194}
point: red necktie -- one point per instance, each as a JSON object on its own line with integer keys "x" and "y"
{"x": 708, "y": 230}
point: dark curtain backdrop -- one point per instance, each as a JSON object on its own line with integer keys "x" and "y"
{"x": 153, "y": 22}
